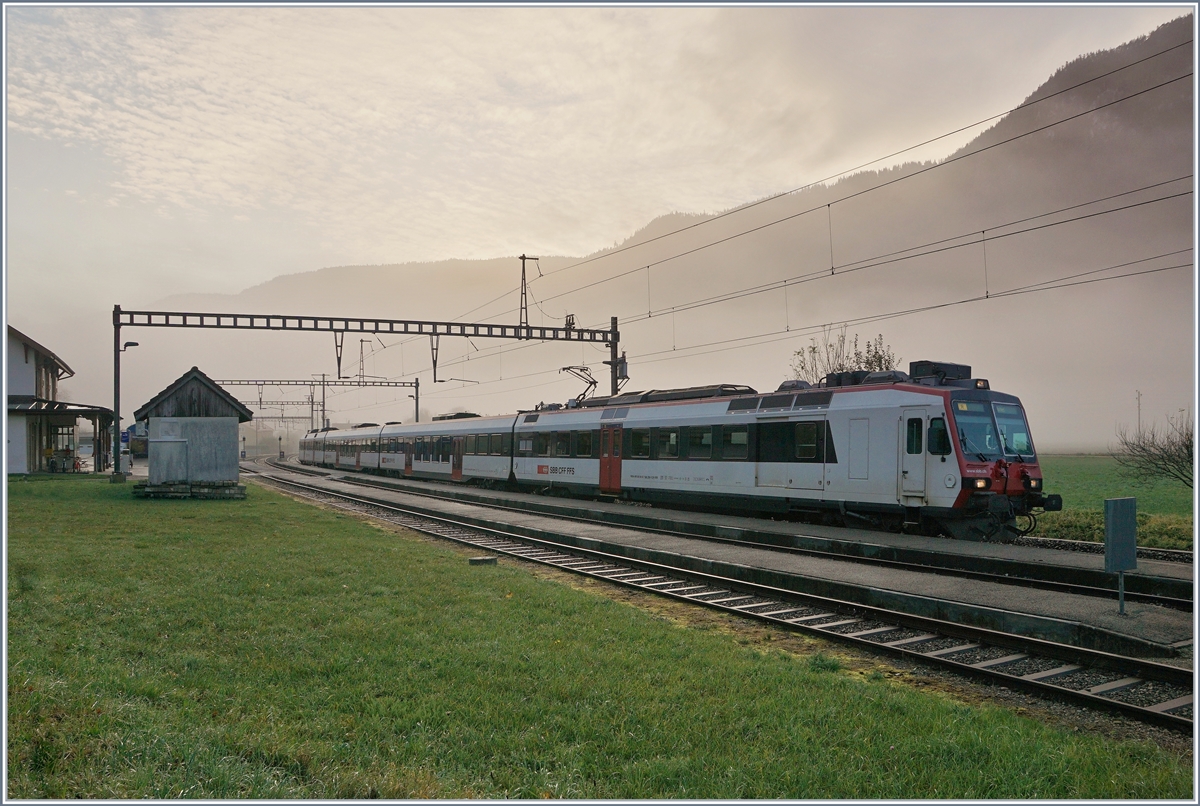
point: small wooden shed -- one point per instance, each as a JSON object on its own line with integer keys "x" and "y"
{"x": 193, "y": 440}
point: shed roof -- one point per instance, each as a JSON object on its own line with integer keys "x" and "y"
{"x": 194, "y": 394}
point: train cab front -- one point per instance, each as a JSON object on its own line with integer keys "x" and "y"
{"x": 1002, "y": 484}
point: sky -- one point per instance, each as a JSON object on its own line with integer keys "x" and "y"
{"x": 162, "y": 150}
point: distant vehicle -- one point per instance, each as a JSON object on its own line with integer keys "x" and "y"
{"x": 933, "y": 450}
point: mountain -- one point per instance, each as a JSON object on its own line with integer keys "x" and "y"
{"x": 1033, "y": 198}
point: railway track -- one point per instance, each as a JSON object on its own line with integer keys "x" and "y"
{"x": 1151, "y": 692}
{"x": 1162, "y": 593}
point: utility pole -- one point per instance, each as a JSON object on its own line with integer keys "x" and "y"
{"x": 618, "y": 367}
{"x": 324, "y": 419}
{"x": 524, "y": 303}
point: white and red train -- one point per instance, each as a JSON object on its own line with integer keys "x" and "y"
{"x": 934, "y": 450}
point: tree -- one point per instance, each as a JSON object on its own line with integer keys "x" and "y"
{"x": 1158, "y": 453}
{"x": 837, "y": 354}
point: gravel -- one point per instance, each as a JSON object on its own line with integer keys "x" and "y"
{"x": 860, "y": 626}
{"x": 936, "y": 644}
{"x": 1086, "y": 678}
{"x": 972, "y": 656}
{"x": 1150, "y": 692}
{"x": 898, "y": 634}
{"x": 1087, "y": 547}
{"x": 1020, "y": 668}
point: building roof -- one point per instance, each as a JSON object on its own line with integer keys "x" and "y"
{"x": 63, "y": 370}
{"x": 193, "y": 394}
{"x": 25, "y": 404}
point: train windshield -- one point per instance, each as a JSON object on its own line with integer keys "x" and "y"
{"x": 977, "y": 430}
{"x": 1014, "y": 431}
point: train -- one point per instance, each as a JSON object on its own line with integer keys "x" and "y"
{"x": 933, "y": 451}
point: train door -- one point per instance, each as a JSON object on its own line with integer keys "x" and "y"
{"x": 809, "y": 455}
{"x": 912, "y": 453}
{"x": 407, "y": 445}
{"x": 456, "y": 458}
{"x": 610, "y": 459}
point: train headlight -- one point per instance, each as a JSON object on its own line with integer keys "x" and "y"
{"x": 977, "y": 484}
{"x": 981, "y": 384}
{"x": 1035, "y": 484}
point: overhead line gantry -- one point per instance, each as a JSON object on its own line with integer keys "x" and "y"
{"x": 340, "y": 326}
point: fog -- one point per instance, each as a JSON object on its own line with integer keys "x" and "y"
{"x": 340, "y": 175}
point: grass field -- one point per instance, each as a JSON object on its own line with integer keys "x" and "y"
{"x": 1085, "y": 481}
{"x": 266, "y": 648}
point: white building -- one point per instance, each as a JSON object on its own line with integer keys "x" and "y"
{"x": 41, "y": 428}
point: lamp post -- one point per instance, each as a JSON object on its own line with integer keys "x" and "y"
{"x": 117, "y": 476}
{"x": 416, "y": 399}
{"x": 281, "y": 447}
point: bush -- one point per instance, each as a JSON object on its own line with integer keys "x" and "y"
{"x": 1154, "y": 531}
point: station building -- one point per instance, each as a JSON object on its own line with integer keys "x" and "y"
{"x": 42, "y": 430}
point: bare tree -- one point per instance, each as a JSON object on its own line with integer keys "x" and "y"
{"x": 1158, "y": 453}
{"x": 835, "y": 353}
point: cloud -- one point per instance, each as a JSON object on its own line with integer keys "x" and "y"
{"x": 407, "y": 133}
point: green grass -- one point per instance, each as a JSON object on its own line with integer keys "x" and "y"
{"x": 1084, "y": 482}
{"x": 265, "y": 648}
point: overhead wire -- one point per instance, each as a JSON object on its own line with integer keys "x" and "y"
{"x": 839, "y": 174}
{"x": 891, "y": 257}
{"x": 947, "y": 161}
{"x": 851, "y": 268}
{"x": 855, "y": 265}
{"x": 742, "y": 208}
{"x": 782, "y": 335}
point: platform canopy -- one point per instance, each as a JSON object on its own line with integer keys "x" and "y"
{"x": 194, "y": 394}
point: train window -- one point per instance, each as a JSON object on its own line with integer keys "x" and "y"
{"x": 976, "y": 430}
{"x": 562, "y": 443}
{"x": 914, "y": 432}
{"x": 938, "y": 438}
{"x": 505, "y": 444}
{"x": 1014, "y": 433}
{"x": 531, "y": 418}
{"x": 668, "y": 443}
{"x": 469, "y": 446}
{"x": 583, "y": 443}
{"x": 735, "y": 442}
{"x": 639, "y": 445}
{"x": 525, "y": 446}
{"x": 743, "y": 404}
{"x": 778, "y": 401}
{"x": 496, "y": 442}
{"x": 541, "y": 444}
{"x": 806, "y": 441}
{"x": 700, "y": 442}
